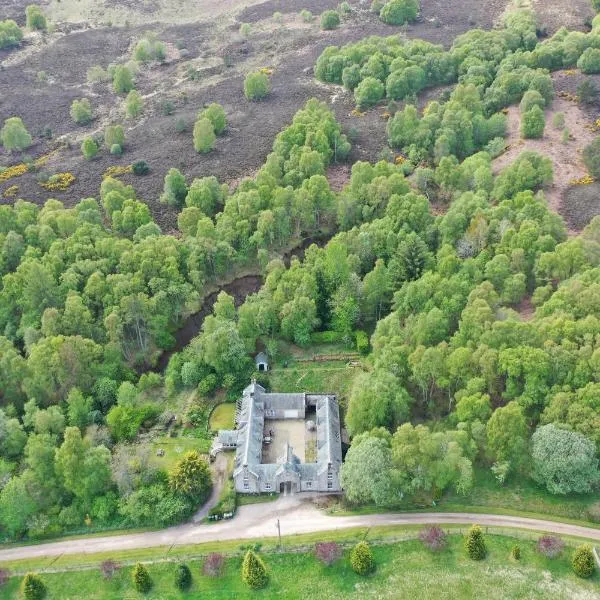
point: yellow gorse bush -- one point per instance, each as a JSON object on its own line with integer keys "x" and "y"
{"x": 11, "y": 191}
{"x": 586, "y": 180}
{"x": 58, "y": 182}
{"x": 117, "y": 170}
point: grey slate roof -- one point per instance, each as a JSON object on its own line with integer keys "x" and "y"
{"x": 261, "y": 357}
{"x": 283, "y": 401}
{"x": 329, "y": 447}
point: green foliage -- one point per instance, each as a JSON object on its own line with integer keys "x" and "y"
{"x": 81, "y": 111}
{"x": 533, "y": 123}
{"x": 515, "y": 552}
{"x": 183, "y": 577}
{"x": 191, "y": 477}
{"x": 89, "y": 148}
{"x": 361, "y": 559}
{"x": 254, "y": 571}
{"x": 216, "y": 115}
{"x": 564, "y": 461}
{"x": 33, "y": 587}
{"x": 141, "y": 579}
{"x": 140, "y": 167}
{"x": 10, "y": 34}
{"x": 475, "y": 543}
{"x": 116, "y": 150}
{"x": 306, "y": 15}
{"x": 14, "y": 135}
{"x": 398, "y": 12}
{"x": 362, "y": 342}
{"x": 122, "y": 80}
{"x": 204, "y": 135}
{"x": 330, "y": 19}
{"x": 558, "y": 120}
{"x": 583, "y": 562}
{"x": 245, "y": 29}
{"x": 587, "y": 91}
{"x": 530, "y": 99}
{"x": 175, "y": 188}
{"x": 134, "y": 104}
{"x": 368, "y": 92}
{"x": 149, "y": 48}
{"x": 114, "y": 134}
{"x": 256, "y": 86}
{"x": 35, "y": 18}
{"x": 589, "y": 61}
{"x": 591, "y": 157}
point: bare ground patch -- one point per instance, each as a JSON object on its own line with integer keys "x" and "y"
{"x": 566, "y": 158}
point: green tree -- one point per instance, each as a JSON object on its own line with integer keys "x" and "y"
{"x": 183, "y": 577}
{"x": 583, "y": 562}
{"x": 475, "y": 543}
{"x": 204, "y": 135}
{"x": 33, "y": 587}
{"x": 368, "y": 92}
{"x": 507, "y": 435}
{"x": 10, "y": 34}
{"x": 191, "y": 477}
{"x": 141, "y": 579}
{"x": 215, "y": 113}
{"x": 361, "y": 559}
{"x": 256, "y": 86}
{"x": 14, "y": 135}
{"x": 89, "y": 148}
{"x": 591, "y": 157}
{"x": 365, "y": 474}
{"x": 78, "y": 409}
{"x": 587, "y": 91}
{"x": 16, "y": 506}
{"x": 533, "y": 123}
{"x": 35, "y": 18}
{"x": 81, "y": 111}
{"x": 589, "y": 61}
{"x": 398, "y": 12}
{"x": 175, "y": 188}
{"x": 122, "y": 80}
{"x": 114, "y": 134}
{"x": 330, "y": 19}
{"x": 564, "y": 461}
{"x": 134, "y": 104}
{"x": 530, "y": 99}
{"x": 254, "y": 571}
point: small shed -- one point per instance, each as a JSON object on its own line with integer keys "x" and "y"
{"x": 262, "y": 362}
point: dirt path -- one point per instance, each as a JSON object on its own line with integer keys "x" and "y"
{"x": 297, "y": 515}
{"x": 219, "y": 474}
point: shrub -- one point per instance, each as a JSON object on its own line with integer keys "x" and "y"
{"x": 213, "y": 565}
{"x": 362, "y": 342}
{"x": 89, "y": 148}
{"x": 306, "y": 15}
{"x": 558, "y": 120}
{"x": 533, "y": 123}
{"x": 566, "y": 136}
{"x": 398, "y": 12}
{"x": 475, "y": 543}
{"x": 167, "y": 108}
{"x": 583, "y": 561}
{"x": 245, "y": 29}
{"x": 330, "y": 19}
{"x": 181, "y": 125}
{"x": 14, "y": 135}
{"x": 97, "y": 74}
{"x": 33, "y": 587}
{"x": 344, "y": 8}
{"x": 10, "y": 34}
{"x": 204, "y": 135}
{"x": 175, "y": 188}
{"x": 368, "y": 92}
{"x": 328, "y": 552}
{"x": 433, "y": 538}
{"x": 122, "y": 80}
{"x": 591, "y": 157}
{"x": 377, "y": 5}
{"x": 108, "y": 568}
{"x": 277, "y": 17}
{"x": 140, "y": 167}
{"x": 81, "y": 111}
{"x": 141, "y": 579}
{"x": 114, "y": 134}
{"x": 216, "y": 115}
{"x": 589, "y": 61}
{"x": 351, "y": 77}
{"x": 116, "y": 149}
{"x": 515, "y": 552}
{"x": 550, "y": 546}
{"x": 361, "y": 559}
{"x": 149, "y": 48}
{"x": 191, "y": 477}
{"x": 254, "y": 571}
{"x": 35, "y": 18}
{"x": 183, "y": 578}
{"x": 256, "y": 86}
{"x": 530, "y": 99}
{"x": 134, "y": 104}
{"x": 587, "y": 91}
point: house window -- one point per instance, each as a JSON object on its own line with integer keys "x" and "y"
{"x": 246, "y": 483}
{"x": 267, "y": 486}
{"x": 329, "y": 476}
{"x": 329, "y": 485}
{"x": 309, "y": 484}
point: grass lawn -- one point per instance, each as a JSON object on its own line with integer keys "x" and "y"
{"x": 404, "y": 570}
{"x": 222, "y": 416}
{"x": 175, "y": 448}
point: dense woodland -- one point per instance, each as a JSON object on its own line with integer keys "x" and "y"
{"x": 460, "y": 374}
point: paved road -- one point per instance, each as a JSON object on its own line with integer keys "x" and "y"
{"x": 297, "y": 515}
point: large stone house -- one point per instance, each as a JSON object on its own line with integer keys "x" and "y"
{"x": 269, "y": 426}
